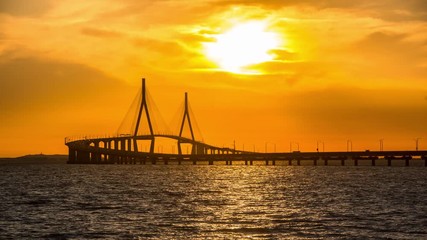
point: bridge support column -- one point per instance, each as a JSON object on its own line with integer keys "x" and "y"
{"x": 389, "y": 162}
{"x": 210, "y": 162}
{"x": 356, "y": 162}
{"x": 123, "y": 145}
{"x": 96, "y": 158}
{"x": 342, "y": 162}
{"x": 406, "y": 162}
{"x": 425, "y": 160}
{"x": 83, "y": 157}
{"x": 266, "y": 162}
{"x": 251, "y": 162}
{"x": 290, "y": 162}
{"x": 273, "y": 162}
{"x": 116, "y": 144}
{"x": 246, "y": 162}
{"x": 93, "y": 157}
{"x": 129, "y": 145}
{"x": 71, "y": 155}
{"x": 373, "y": 162}
{"x": 326, "y": 162}
{"x": 299, "y": 162}
{"x": 315, "y": 162}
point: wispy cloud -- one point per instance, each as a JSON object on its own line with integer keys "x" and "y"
{"x": 23, "y": 8}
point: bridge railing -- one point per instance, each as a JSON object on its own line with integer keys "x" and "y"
{"x": 89, "y": 137}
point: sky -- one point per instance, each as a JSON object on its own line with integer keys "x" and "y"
{"x": 266, "y": 74}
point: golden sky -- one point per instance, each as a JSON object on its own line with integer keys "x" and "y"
{"x": 257, "y": 72}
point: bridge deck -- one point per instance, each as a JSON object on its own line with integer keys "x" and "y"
{"x": 83, "y": 152}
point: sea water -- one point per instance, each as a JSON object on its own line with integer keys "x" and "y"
{"x": 59, "y": 201}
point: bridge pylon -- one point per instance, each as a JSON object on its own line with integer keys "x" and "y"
{"x": 143, "y": 108}
{"x": 186, "y": 117}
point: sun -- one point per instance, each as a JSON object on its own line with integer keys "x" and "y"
{"x": 243, "y": 45}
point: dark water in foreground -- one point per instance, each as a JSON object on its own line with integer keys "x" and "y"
{"x": 212, "y": 202}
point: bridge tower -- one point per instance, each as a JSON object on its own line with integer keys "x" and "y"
{"x": 143, "y": 108}
{"x": 186, "y": 117}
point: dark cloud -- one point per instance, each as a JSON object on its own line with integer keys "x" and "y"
{"x": 31, "y": 85}
{"x": 170, "y": 47}
{"x": 289, "y": 3}
{"x": 293, "y": 72}
{"x": 390, "y": 55}
{"x": 25, "y": 8}
{"x": 391, "y": 10}
{"x": 101, "y": 33}
{"x": 358, "y": 111}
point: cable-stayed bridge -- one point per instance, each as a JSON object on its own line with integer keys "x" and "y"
{"x": 125, "y": 147}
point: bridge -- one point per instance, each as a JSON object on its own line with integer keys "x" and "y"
{"x": 124, "y": 148}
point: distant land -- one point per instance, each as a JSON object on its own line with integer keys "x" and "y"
{"x": 36, "y": 159}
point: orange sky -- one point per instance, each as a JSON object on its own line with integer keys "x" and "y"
{"x": 339, "y": 70}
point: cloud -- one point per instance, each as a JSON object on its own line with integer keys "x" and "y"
{"x": 390, "y": 10}
{"x": 101, "y": 33}
{"x": 25, "y": 8}
{"x": 283, "y": 55}
{"x": 35, "y": 85}
{"x": 388, "y": 55}
{"x": 345, "y": 111}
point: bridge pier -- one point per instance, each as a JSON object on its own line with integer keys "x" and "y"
{"x": 123, "y": 145}
{"x": 71, "y": 155}
{"x": 111, "y": 158}
{"x": 83, "y": 156}
{"x": 290, "y": 162}
{"x": 94, "y": 158}
{"x": 129, "y": 145}
{"x": 315, "y": 162}
{"x": 356, "y": 162}
{"x": 116, "y": 144}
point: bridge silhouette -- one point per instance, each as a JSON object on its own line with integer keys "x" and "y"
{"x": 123, "y": 148}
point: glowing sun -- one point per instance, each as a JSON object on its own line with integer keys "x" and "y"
{"x": 243, "y": 45}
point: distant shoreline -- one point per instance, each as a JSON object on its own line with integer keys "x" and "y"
{"x": 36, "y": 159}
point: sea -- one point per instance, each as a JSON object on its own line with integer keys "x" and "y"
{"x": 60, "y": 201}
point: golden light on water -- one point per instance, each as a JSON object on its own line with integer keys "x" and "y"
{"x": 243, "y": 45}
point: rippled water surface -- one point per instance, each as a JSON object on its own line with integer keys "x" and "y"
{"x": 61, "y": 201}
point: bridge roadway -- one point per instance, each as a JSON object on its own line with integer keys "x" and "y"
{"x": 122, "y": 150}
